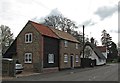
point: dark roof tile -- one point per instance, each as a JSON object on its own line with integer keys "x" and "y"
{"x": 64, "y": 35}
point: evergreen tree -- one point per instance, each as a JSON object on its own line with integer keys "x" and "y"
{"x": 106, "y": 39}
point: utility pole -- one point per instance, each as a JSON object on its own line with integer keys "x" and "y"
{"x": 83, "y": 41}
{"x": 0, "y": 43}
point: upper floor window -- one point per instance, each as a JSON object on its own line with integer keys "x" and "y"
{"x": 66, "y": 43}
{"x": 28, "y": 58}
{"x": 28, "y": 38}
{"x": 76, "y": 45}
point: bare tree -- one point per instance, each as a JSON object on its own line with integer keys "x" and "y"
{"x": 60, "y": 22}
{"x": 6, "y": 38}
{"x": 56, "y": 20}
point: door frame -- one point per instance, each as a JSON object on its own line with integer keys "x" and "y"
{"x": 71, "y": 61}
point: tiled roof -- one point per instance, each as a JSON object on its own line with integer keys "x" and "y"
{"x": 96, "y": 50}
{"x": 44, "y": 30}
{"x": 64, "y": 35}
{"x": 102, "y": 48}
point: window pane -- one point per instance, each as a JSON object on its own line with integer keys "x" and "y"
{"x": 26, "y": 60}
{"x": 65, "y": 58}
{"x": 30, "y": 60}
{"x": 26, "y": 38}
{"x": 65, "y": 43}
{"x": 50, "y": 58}
{"x": 30, "y": 37}
{"x": 76, "y": 46}
{"x": 28, "y": 57}
{"x": 77, "y": 58}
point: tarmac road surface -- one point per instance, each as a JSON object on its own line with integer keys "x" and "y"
{"x": 107, "y": 72}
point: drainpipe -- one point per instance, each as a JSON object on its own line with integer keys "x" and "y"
{"x": 0, "y": 51}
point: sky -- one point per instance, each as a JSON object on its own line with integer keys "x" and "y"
{"x": 96, "y": 15}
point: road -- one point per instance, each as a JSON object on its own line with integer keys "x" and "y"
{"x": 107, "y": 72}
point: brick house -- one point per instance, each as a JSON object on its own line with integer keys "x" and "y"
{"x": 40, "y": 48}
{"x": 36, "y": 47}
{"x": 69, "y": 50}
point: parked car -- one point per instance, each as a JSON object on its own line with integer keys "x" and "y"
{"x": 18, "y": 65}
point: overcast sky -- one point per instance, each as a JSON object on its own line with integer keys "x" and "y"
{"x": 96, "y": 15}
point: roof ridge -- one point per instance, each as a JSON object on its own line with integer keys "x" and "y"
{"x": 37, "y": 23}
{"x": 64, "y": 32}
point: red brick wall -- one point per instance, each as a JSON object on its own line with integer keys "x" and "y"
{"x": 34, "y": 47}
{"x": 71, "y": 49}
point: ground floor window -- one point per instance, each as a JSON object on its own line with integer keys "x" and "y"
{"x": 50, "y": 58}
{"x": 65, "y": 58}
{"x": 28, "y": 57}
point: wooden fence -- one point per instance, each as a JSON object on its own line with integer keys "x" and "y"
{"x": 8, "y": 68}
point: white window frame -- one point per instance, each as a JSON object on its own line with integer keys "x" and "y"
{"x": 76, "y": 58}
{"x": 76, "y": 45}
{"x": 66, "y": 43}
{"x": 29, "y": 35}
{"x": 51, "y": 58}
{"x": 28, "y": 56}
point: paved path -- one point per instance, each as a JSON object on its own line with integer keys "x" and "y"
{"x": 101, "y": 73}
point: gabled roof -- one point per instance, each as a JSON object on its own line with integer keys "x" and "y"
{"x": 96, "y": 50}
{"x": 64, "y": 35}
{"x": 44, "y": 30}
{"x": 102, "y": 48}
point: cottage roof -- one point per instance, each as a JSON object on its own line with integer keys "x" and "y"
{"x": 44, "y": 30}
{"x": 102, "y": 48}
{"x": 96, "y": 50}
{"x": 64, "y": 35}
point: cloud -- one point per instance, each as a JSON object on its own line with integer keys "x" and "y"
{"x": 88, "y": 23}
{"x": 54, "y": 12}
{"x": 106, "y": 11}
{"x": 115, "y": 31}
